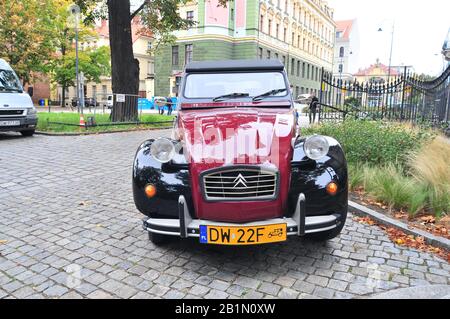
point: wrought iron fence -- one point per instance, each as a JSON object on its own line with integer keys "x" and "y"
{"x": 407, "y": 97}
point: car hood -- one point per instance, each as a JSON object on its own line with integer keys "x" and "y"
{"x": 13, "y": 100}
{"x": 238, "y": 136}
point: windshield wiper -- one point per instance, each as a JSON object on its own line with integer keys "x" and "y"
{"x": 230, "y": 96}
{"x": 270, "y": 93}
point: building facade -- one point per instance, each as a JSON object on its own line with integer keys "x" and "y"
{"x": 346, "y": 50}
{"x": 300, "y": 33}
{"x": 142, "y": 44}
{"x": 376, "y": 73}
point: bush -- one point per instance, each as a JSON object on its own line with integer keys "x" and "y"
{"x": 374, "y": 142}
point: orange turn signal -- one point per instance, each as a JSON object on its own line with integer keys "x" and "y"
{"x": 332, "y": 188}
{"x": 150, "y": 190}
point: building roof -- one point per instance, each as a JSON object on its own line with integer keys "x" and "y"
{"x": 345, "y": 26}
{"x": 370, "y": 70}
{"x": 235, "y": 65}
{"x": 137, "y": 29}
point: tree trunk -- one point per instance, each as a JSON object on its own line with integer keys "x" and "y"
{"x": 124, "y": 67}
{"x": 63, "y": 96}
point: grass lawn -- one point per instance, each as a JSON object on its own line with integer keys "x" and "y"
{"x": 74, "y": 118}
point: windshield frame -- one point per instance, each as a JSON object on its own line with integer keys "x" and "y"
{"x": 18, "y": 88}
{"x": 286, "y": 83}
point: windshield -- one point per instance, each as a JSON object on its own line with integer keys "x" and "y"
{"x": 213, "y": 85}
{"x": 9, "y": 81}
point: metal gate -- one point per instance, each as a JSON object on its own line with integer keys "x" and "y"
{"x": 406, "y": 98}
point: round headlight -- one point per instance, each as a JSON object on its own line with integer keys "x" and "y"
{"x": 316, "y": 147}
{"x": 162, "y": 150}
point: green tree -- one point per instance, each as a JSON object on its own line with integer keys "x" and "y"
{"x": 26, "y": 35}
{"x": 161, "y": 17}
{"x": 93, "y": 63}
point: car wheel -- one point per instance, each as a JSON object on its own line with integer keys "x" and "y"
{"x": 158, "y": 239}
{"x": 28, "y": 133}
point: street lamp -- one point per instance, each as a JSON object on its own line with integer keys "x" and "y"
{"x": 75, "y": 11}
{"x": 380, "y": 29}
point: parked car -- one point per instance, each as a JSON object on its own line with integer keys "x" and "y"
{"x": 90, "y": 102}
{"x": 17, "y": 112}
{"x": 109, "y": 101}
{"x": 236, "y": 171}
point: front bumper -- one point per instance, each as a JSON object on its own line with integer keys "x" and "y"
{"x": 297, "y": 225}
{"x": 26, "y": 124}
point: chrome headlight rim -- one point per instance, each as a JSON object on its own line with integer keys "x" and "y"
{"x": 316, "y": 147}
{"x": 156, "y": 153}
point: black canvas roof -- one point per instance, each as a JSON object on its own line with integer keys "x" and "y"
{"x": 235, "y": 65}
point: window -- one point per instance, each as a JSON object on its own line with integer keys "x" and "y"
{"x": 104, "y": 91}
{"x": 339, "y": 34}
{"x": 303, "y": 70}
{"x": 298, "y": 68}
{"x": 293, "y": 39}
{"x": 286, "y": 6}
{"x": 298, "y": 41}
{"x": 276, "y": 56}
{"x": 269, "y": 30}
{"x": 260, "y": 53}
{"x": 292, "y": 66}
{"x": 190, "y": 15}
{"x": 308, "y": 72}
{"x": 232, "y": 14}
{"x": 175, "y": 57}
{"x": 284, "y": 60}
{"x": 312, "y": 72}
{"x": 268, "y": 54}
{"x": 261, "y": 23}
{"x": 341, "y": 68}
{"x": 210, "y": 85}
{"x": 341, "y": 52}
{"x": 94, "y": 91}
{"x": 277, "y": 31}
{"x": 285, "y": 35}
{"x": 149, "y": 45}
{"x": 150, "y": 68}
{"x": 188, "y": 53}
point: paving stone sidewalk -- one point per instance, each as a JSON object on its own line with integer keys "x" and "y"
{"x": 69, "y": 229}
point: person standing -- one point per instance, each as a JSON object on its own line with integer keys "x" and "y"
{"x": 313, "y": 109}
{"x": 169, "y": 105}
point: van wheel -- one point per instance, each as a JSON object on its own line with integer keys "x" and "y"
{"x": 28, "y": 133}
{"x": 158, "y": 239}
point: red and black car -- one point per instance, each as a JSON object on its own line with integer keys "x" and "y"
{"x": 236, "y": 170}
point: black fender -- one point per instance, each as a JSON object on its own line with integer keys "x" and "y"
{"x": 170, "y": 179}
{"x": 311, "y": 178}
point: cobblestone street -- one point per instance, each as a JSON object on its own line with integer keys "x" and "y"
{"x": 69, "y": 229}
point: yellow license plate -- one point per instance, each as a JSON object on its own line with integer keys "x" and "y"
{"x": 235, "y": 235}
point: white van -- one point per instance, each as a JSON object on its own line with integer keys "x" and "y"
{"x": 17, "y": 112}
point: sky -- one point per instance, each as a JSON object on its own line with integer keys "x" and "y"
{"x": 420, "y": 30}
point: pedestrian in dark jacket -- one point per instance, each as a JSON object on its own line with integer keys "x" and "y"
{"x": 313, "y": 109}
{"x": 169, "y": 105}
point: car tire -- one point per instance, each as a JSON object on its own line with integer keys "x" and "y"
{"x": 329, "y": 234}
{"x": 158, "y": 239}
{"x": 27, "y": 133}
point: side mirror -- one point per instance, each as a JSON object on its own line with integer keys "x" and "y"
{"x": 30, "y": 91}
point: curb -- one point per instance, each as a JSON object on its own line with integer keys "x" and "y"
{"x": 100, "y": 133}
{"x": 430, "y": 239}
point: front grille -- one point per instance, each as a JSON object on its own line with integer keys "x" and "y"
{"x": 240, "y": 183}
{"x": 11, "y": 112}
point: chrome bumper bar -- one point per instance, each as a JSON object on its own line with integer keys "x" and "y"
{"x": 298, "y": 225}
